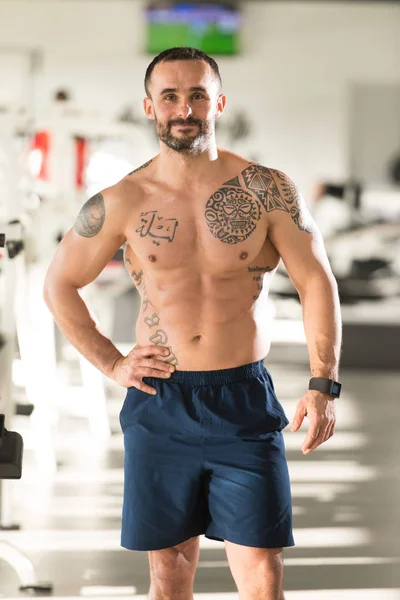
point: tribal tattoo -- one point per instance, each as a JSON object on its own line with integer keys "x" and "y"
{"x": 141, "y": 167}
{"x": 232, "y": 213}
{"x": 91, "y": 217}
{"x": 263, "y": 183}
{"x": 157, "y": 227}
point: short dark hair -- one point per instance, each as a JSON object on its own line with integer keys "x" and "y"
{"x": 180, "y": 53}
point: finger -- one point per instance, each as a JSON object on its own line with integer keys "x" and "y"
{"x": 147, "y": 372}
{"x": 146, "y": 351}
{"x": 154, "y": 363}
{"x": 298, "y": 419}
{"x": 143, "y": 387}
{"x": 312, "y": 435}
{"x": 330, "y": 431}
{"x": 317, "y": 442}
{"x": 324, "y": 434}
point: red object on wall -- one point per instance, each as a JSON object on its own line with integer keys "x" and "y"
{"x": 81, "y": 146}
{"x": 41, "y": 142}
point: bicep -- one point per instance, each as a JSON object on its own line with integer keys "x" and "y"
{"x": 294, "y": 233}
{"x": 87, "y": 248}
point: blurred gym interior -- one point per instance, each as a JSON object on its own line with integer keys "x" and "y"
{"x": 314, "y": 90}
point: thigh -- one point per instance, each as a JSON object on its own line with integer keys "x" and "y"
{"x": 164, "y": 488}
{"x": 249, "y": 493}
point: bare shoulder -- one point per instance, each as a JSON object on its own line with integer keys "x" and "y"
{"x": 234, "y": 163}
{"x": 277, "y": 192}
{"x": 256, "y": 177}
{"x": 141, "y": 171}
{"x": 132, "y": 187}
{"x": 106, "y": 210}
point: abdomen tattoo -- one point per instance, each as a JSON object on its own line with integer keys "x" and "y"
{"x": 157, "y": 335}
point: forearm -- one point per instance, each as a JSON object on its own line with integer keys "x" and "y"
{"x": 74, "y": 320}
{"x": 322, "y": 325}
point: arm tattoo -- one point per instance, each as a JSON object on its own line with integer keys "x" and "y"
{"x": 91, "y": 217}
{"x": 263, "y": 183}
{"x": 141, "y": 167}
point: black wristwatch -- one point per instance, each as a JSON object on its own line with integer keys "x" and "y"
{"x": 328, "y": 386}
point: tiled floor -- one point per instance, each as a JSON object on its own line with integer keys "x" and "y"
{"x": 346, "y": 502}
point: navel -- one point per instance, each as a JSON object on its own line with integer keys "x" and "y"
{"x": 243, "y": 255}
{"x": 152, "y": 258}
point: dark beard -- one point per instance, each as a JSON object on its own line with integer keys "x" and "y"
{"x": 187, "y": 143}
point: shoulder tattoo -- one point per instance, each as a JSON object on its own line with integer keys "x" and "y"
{"x": 91, "y": 217}
{"x": 141, "y": 167}
{"x": 233, "y": 211}
{"x": 276, "y": 192}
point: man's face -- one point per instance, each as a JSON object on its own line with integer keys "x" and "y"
{"x": 184, "y": 103}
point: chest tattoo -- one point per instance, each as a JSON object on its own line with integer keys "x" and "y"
{"x": 232, "y": 214}
{"x": 233, "y": 211}
{"x": 157, "y": 227}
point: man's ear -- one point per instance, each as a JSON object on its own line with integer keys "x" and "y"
{"x": 149, "y": 108}
{"x": 221, "y": 103}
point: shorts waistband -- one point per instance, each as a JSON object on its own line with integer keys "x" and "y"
{"x": 221, "y": 376}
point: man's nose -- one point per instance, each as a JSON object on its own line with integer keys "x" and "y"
{"x": 184, "y": 110}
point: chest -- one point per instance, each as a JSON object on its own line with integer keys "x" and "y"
{"x": 217, "y": 230}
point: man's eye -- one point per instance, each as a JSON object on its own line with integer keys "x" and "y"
{"x": 170, "y": 97}
{"x": 198, "y": 96}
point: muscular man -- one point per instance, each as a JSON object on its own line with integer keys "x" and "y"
{"x": 204, "y": 231}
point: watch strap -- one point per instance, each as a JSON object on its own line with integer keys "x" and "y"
{"x": 325, "y": 385}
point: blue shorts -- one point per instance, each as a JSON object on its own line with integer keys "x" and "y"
{"x": 206, "y": 456}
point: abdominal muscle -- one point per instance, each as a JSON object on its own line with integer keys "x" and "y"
{"x": 204, "y": 335}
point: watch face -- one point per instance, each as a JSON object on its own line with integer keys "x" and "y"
{"x": 336, "y": 387}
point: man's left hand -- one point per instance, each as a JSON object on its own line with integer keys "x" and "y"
{"x": 321, "y": 410}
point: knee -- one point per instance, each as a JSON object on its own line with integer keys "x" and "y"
{"x": 174, "y": 568}
{"x": 261, "y": 577}
{"x": 268, "y": 572}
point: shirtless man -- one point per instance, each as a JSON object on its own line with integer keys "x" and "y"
{"x": 204, "y": 231}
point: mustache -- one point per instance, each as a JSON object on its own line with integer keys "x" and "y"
{"x": 188, "y": 121}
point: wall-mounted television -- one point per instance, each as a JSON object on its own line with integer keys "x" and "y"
{"x": 213, "y": 27}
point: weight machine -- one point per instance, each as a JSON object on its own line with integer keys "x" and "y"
{"x": 29, "y": 231}
{"x": 11, "y": 288}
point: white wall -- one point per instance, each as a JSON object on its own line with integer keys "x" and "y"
{"x": 299, "y": 60}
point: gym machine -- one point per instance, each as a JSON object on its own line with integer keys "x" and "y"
{"x": 11, "y": 452}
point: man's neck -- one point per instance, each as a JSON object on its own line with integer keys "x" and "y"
{"x": 177, "y": 168}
